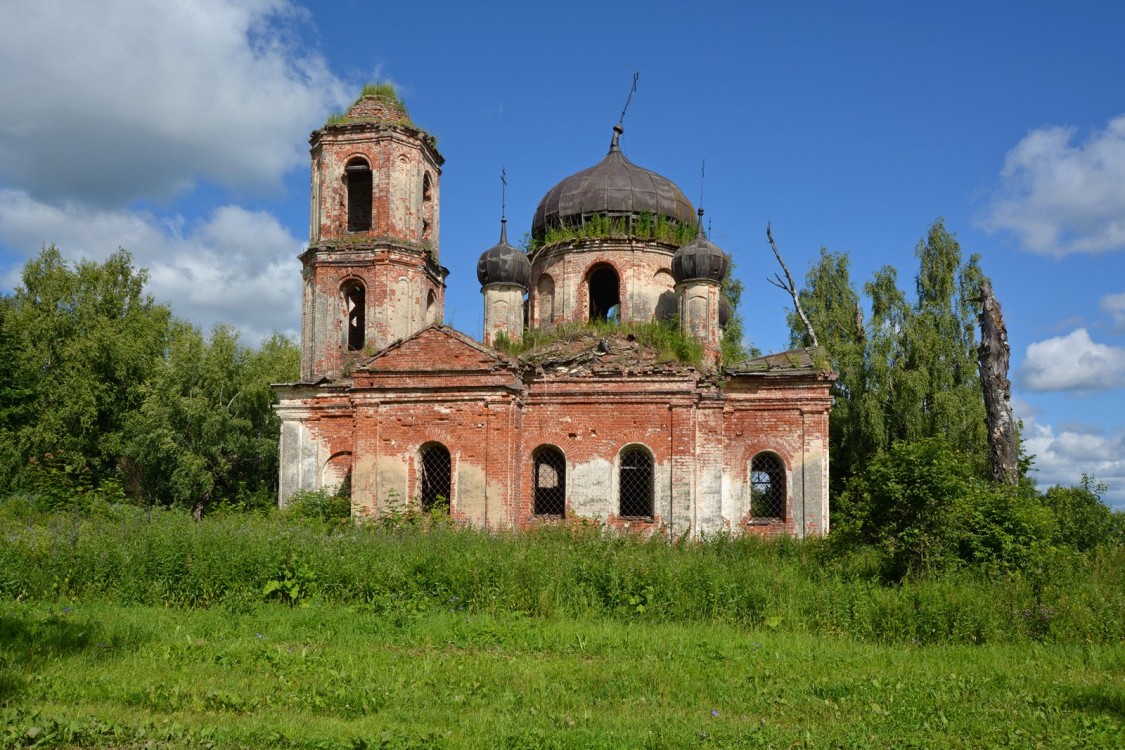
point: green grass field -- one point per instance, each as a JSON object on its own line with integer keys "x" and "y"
{"x": 338, "y": 677}
{"x": 125, "y": 629}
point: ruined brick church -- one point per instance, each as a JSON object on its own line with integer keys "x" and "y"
{"x": 411, "y": 414}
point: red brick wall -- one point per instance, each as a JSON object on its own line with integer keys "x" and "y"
{"x": 441, "y": 387}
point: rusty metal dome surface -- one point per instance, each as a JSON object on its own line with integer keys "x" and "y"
{"x": 503, "y": 264}
{"x": 699, "y": 259}
{"x": 614, "y": 186}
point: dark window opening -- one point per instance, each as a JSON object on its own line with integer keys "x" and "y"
{"x": 427, "y": 207}
{"x": 358, "y": 176}
{"x": 605, "y": 293}
{"x": 635, "y": 485}
{"x": 767, "y": 487}
{"x": 435, "y": 479}
{"x": 550, "y": 482}
{"x": 355, "y": 303}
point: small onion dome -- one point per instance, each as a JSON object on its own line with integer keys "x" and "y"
{"x": 699, "y": 259}
{"x": 724, "y": 312}
{"x": 503, "y": 264}
{"x": 614, "y": 187}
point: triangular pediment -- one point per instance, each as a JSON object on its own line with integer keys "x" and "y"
{"x": 437, "y": 348}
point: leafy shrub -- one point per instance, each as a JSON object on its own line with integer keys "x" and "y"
{"x": 1082, "y": 520}
{"x": 922, "y": 507}
{"x": 320, "y": 506}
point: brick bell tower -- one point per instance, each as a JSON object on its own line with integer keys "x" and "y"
{"x": 371, "y": 273}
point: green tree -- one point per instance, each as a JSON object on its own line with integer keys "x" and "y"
{"x": 911, "y": 372}
{"x": 831, "y": 302}
{"x": 79, "y": 342}
{"x": 206, "y": 430}
{"x": 733, "y": 346}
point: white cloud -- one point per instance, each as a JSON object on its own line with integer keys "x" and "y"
{"x": 1062, "y": 197}
{"x": 113, "y": 100}
{"x": 1074, "y": 362}
{"x": 1114, "y": 306}
{"x": 1064, "y": 457}
{"x": 235, "y": 266}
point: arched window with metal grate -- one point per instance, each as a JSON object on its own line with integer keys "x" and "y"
{"x": 767, "y": 487}
{"x": 550, "y": 481}
{"x": 635, "y": 483}
{"x": 434, "y": 477}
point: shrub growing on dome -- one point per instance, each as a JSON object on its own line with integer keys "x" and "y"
{"x": 644, "y": 226}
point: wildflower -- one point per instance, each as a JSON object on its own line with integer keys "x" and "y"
{"x": 714, "y": 713}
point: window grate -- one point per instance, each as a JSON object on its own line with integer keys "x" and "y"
{"x": 435, "y": 479}
{"x": 635, "y": 484}
{"x": 767, "y": 487}
{"x": 550, "y": 482}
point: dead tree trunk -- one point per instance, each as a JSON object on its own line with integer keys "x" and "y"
{"x": 787, "y": 285}
{"x": 992, "y": 355}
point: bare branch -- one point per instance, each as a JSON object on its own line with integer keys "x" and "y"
{"x": 788, "y": 286}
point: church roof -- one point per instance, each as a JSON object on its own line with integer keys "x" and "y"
{"x": 503, "y": 264}
{"x": 700, "y": 259}
{"x": 614, "y": 186}
{"x": 809, "y": 359}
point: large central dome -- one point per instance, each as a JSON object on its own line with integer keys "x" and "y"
{"x": 615, "y": 187}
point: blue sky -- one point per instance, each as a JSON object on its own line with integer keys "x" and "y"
{"x": 179, "y": 131}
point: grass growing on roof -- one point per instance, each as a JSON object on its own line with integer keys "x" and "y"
{"x": 669, "y": 343}
{"x": 644, "y": 226}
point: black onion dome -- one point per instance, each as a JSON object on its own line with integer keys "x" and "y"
{"x": 614, "y": 186}
{"x": 503, "y": 264}
{"x": 699, "y": 259}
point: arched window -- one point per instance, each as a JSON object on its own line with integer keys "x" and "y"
{"x": 434, "y": 477}
{"x": 767, "y": 487}
{"x": 550, "y": 481}
{"x": 635, "y": 483}
{"x": 358, "y": 177}
{"x": 427, "y": 207}
{"x": 355, "y": 307}
{"x": 605, "y": 293}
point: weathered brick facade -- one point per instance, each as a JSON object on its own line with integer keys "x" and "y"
{"x": 415, "y": 414}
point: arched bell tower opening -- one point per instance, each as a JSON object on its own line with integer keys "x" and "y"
{"x": 355, "y": 312}
{"x": 604, "y": 289}
{"x": 357, "y": 175}
{"x": 427, "y": 208}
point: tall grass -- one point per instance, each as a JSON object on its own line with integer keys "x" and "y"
{"x": 129, "y": 555}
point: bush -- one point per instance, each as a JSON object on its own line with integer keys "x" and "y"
{"x": 1082, "y": 520}
{"x": 922, "y": 507}
{"x": 320, "y": 506}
